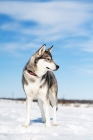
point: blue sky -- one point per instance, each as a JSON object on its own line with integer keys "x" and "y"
{"x": 68, "y": 25}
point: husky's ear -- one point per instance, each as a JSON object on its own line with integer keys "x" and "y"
{"x": 42, "y": 50}
{"x": 50, "y": 49}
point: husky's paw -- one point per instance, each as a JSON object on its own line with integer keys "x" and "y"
{"x": 43, "y": 120}
{"x": 55, "y": 124}
{"x": 48, "y": 125}
{"x": 25, "y": 125}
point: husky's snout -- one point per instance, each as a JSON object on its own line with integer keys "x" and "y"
{"x": 53, "y": 68}
{"x": 57, "y": 67}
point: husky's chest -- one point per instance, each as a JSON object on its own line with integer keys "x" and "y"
{"x": 35, "y": 89}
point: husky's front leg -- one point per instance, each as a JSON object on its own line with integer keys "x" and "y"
{"x": 47, "y": 105}
{"x": 40, "y": 103}
{"x": 28, "y": 111}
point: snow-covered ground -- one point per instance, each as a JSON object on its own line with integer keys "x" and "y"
{"x": 74, "y": 123}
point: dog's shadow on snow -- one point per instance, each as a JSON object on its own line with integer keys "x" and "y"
{"x": 38, "y": 120}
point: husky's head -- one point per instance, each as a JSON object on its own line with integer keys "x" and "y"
{"x": 42, "y": 61}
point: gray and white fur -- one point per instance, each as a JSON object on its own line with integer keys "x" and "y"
{"x": 40, "y": 83}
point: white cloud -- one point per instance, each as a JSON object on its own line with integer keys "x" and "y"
{"x": 12, "y": 26}
{"x": 84, "y": 69}
{"x": 88, "y": 45}
{"x": 89, "y": 72}
{"x": 11, "y": 47}
{"x": 56, "y": 20}
{"x": 47, "y": 13}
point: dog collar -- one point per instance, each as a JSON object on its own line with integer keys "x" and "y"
{"x": 30, "y": 72}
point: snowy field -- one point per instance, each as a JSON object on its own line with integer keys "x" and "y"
{"x": 74, "y": 123}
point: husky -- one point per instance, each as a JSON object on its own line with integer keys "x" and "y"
{"x": 40, "y": 83}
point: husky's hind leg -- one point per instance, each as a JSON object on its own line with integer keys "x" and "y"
{"x": 54, "y": 116}
{"x": 40, "y": 103}
{"x": 54, "y": 104}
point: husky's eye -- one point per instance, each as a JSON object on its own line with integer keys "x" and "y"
{"x": 48, "y": 58}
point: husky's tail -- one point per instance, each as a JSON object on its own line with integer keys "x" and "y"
{"x": 57, "y": 105}
{"x": 53, "y": 105}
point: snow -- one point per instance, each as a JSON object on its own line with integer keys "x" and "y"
{"x": 74, "y": 123}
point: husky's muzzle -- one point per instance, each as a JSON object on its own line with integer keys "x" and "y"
{"x": 57, "y": 67}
